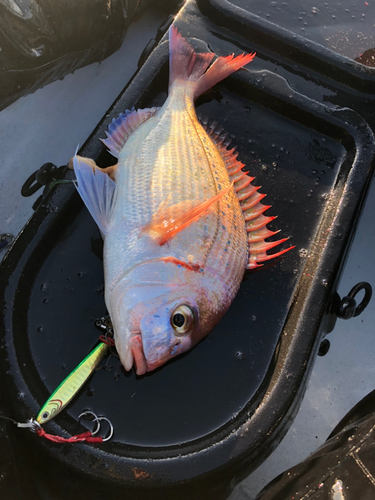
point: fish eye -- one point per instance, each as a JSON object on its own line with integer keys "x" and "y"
{"x": 45, "y": 414}
{"x": 178, "y": 320}
{"x": 182, "y": 320}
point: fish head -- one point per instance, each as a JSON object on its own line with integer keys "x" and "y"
{"x": 154, "y": 323}
{"x": 169, "y": 331}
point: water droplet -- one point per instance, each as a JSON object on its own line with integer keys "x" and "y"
{"x": 45, "y": 301}
{"x": 337, "y": 491}
{"x": 253, "y": 318}
{"x": 240, "y": 355}
{"x": 264, "y": 167}
{"x": 324, "y": 282}
{"x": 43, "y": 287}
{"x": 37, "y": 51}
{"x": 40, "y": 329}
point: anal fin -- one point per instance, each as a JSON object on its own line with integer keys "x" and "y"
{"x": 123, "y": 126}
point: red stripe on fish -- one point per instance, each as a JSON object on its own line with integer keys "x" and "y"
{"x": 188, "y": 265}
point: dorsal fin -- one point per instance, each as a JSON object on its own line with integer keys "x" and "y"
{"x": 249, "y": 199}
{"x": 123, "y": 126}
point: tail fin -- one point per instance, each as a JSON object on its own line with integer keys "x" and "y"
{"x": 186, "y": 64}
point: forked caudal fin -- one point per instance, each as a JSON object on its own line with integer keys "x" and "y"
{"x": 186, "y": 64}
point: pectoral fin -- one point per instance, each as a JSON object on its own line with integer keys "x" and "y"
{"x": 168, "y": 221}
{"x": 97, "y": 190}
{"x": 111, "y": 171}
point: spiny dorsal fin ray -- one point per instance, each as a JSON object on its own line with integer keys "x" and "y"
{"x": 123, "y": 126}
{"x": 249, "y": 198}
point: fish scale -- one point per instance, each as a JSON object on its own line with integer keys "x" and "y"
{"x": 178, "y": 220}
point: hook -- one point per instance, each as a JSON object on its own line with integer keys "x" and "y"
{"x": 94, "y": 419}
{"x": 97, "y": 421}
{"x": 108, "y": 437}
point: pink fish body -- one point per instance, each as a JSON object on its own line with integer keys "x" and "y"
{"x": 180, "y": 219}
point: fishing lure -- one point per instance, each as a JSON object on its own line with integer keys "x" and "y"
{"x": 65, "y": 392}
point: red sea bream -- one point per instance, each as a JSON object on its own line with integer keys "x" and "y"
{"x": 180, "y": 219}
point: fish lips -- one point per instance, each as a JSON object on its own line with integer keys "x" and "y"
{"x": 158, "y": 341}
{"x": 136, "y": 347}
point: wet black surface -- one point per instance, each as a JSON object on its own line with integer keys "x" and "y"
{"x": 346, "y": 28}
{"x": 216, "y": 412}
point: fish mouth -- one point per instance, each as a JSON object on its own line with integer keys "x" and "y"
{"x": 139, "y": 358}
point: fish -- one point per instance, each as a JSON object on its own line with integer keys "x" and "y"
{"x": 180, "y": 219}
